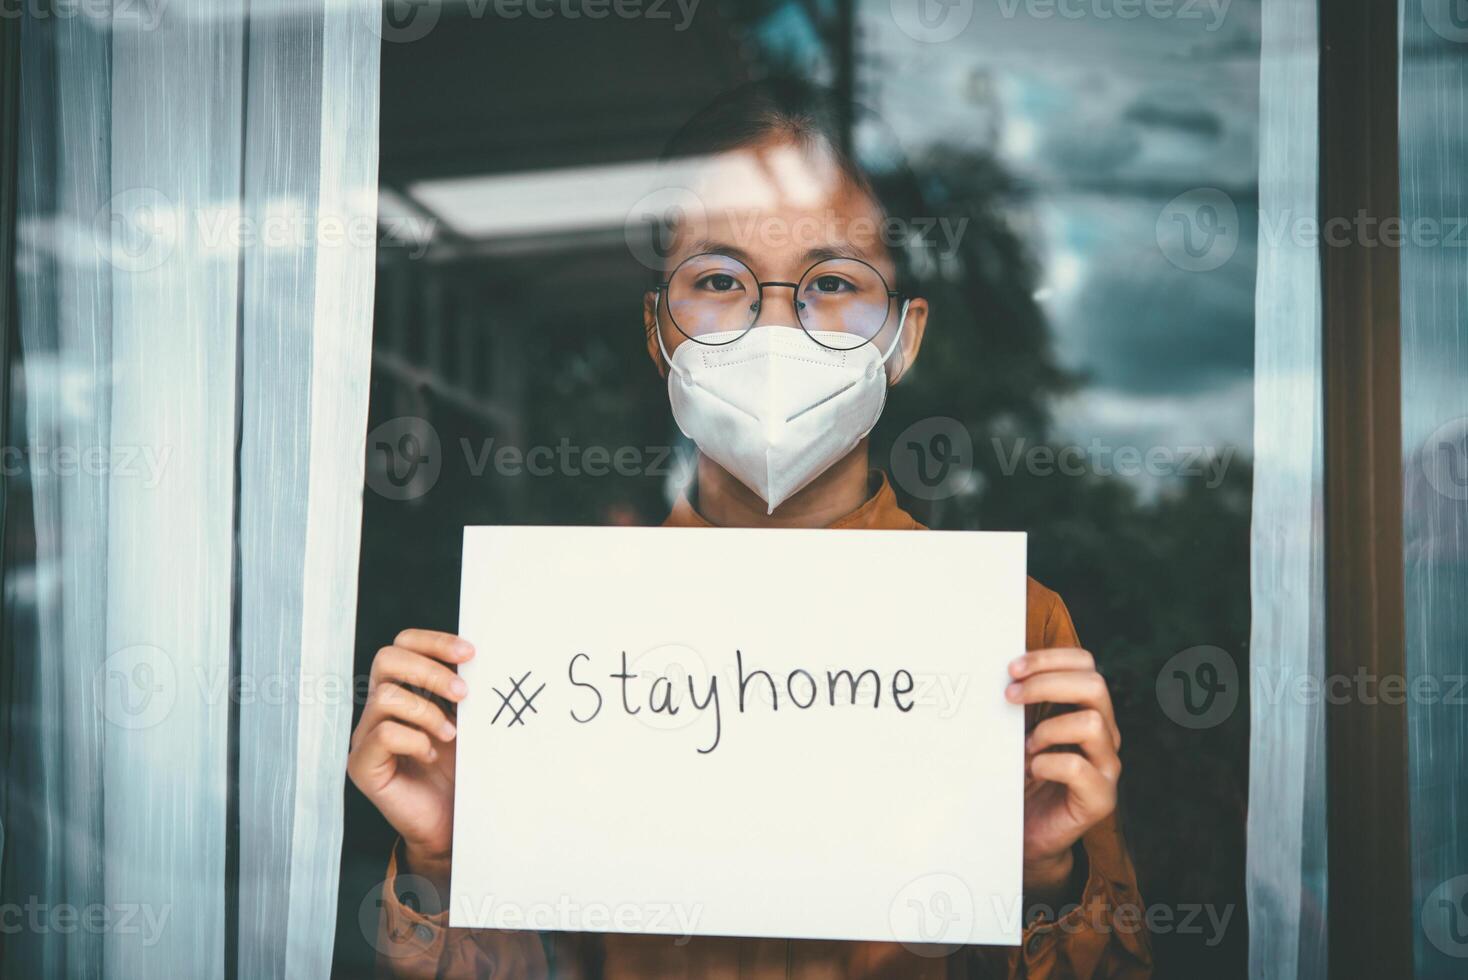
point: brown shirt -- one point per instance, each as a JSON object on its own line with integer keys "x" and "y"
{"x": 1103, "y": 935}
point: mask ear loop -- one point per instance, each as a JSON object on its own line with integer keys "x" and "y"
{"x": 657, "y": 325}
{"x": 897, "y": 339}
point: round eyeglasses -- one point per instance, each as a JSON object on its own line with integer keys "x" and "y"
{"x": 715, "y": 299}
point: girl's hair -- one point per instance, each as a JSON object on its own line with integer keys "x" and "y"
{"x": 812, "y": 116}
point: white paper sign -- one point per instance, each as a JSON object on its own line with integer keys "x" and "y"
{"x": 611, "y": 778}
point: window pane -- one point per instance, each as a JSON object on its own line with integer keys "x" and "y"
{"x": 1434, "y": 145}
{"x": 1082, "y": 222}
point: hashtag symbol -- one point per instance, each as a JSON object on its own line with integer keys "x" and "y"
{"x": 527, "y": 702}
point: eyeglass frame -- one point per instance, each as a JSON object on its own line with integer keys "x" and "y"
{"x": 664, "y": 285}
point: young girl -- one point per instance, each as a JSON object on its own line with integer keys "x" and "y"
{"x": 779, "y": 322}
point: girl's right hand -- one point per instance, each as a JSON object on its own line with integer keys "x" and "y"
{"x": 402, "y": 752}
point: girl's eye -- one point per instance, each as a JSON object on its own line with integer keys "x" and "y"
{"x": 720, "y": 282}
{"x": 829, "y": 284}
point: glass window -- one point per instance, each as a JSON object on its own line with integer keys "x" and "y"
{"x": 1435, "y": 442}
{"x": 1078, "y": 197}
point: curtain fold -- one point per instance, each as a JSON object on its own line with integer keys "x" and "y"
{"x": 196, "y": 242}
{"x": 1285, "y": 877}
{"x": 306, "y": 352}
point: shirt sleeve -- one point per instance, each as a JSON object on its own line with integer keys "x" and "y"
{"x": 1104, "y": 934}
{"x": 414, "y": 946}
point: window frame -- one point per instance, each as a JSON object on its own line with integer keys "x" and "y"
{"x": 1369, "y": 916}
{"x": 1369, "y": 913}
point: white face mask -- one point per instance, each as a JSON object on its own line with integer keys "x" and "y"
{"x": 773, "y": 407}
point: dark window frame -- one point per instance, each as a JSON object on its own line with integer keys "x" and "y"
{"x": 1369, "y": 912}
{"x": 9, "y": 327}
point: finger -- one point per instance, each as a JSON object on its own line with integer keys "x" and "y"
{"x": 1092, "y": 795}
{"x": 400, "y": 666}
{"x": 1083, "y": 688}
{"x": 1059, "y": 658}
{"x": 432, "y": 643}
{"x": 400, "y": 704}
{"x": 389, "y": 741}
{"x": 1087, "y": 730}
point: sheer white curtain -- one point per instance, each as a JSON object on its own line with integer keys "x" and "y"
{"x": 196, "y": 258}
{"x": 1286, "y": 866}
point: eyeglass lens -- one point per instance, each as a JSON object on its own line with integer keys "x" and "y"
{"x": 840, "y": 303}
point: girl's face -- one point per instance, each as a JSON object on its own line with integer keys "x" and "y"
{"x": 780, "y": 208}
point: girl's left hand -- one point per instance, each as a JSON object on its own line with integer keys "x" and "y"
{"x": 1071, "y": 761}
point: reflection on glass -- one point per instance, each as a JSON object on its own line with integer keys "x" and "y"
{"x": 1434, "y": 139}
{"x": 1083, "y": 201}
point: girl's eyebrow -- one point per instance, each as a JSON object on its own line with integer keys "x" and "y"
{"x": 835, "y": 250}
{"x": 706, "y": 245}
{"x": 839, "y": 250}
